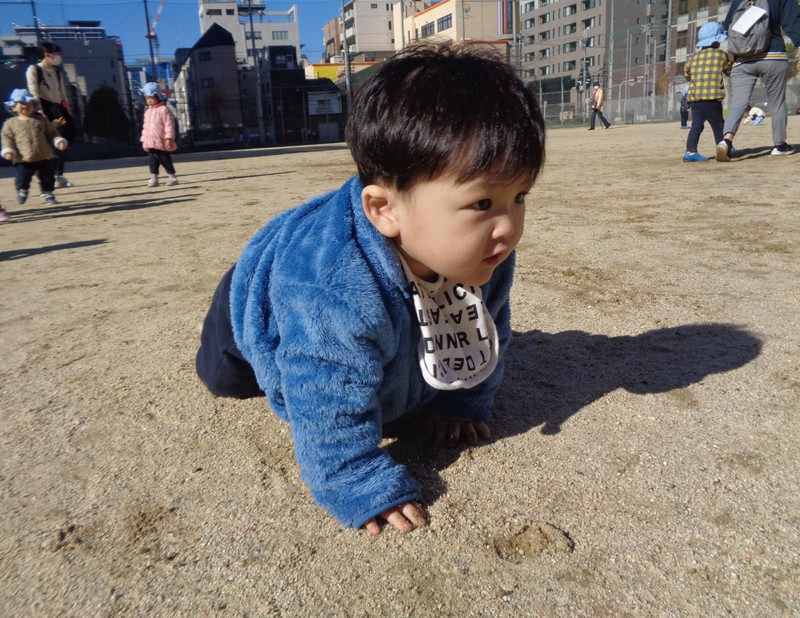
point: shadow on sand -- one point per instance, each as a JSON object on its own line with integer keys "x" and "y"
{"x": 16, "y": 254}
{"x": 552, "y": 376}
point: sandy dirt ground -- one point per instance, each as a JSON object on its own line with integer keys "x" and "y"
{"x": 645, "y": 458}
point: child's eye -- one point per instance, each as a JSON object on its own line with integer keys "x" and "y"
{"x": 484, "y": 204}
{"x": 520, "y": 199}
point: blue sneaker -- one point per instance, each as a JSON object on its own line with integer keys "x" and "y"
{"x": 692, "y": 157}
{"x": 22, "y": 196}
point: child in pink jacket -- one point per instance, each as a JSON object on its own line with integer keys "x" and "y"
{"x": 158, "y": 134}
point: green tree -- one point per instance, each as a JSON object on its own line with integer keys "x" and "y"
{"x": 104, "y": 116}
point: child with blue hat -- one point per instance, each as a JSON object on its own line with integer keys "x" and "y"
{"x": 26, "y": 142}
{"x": 158, "y": 134}
{"x": 705, "y": 70}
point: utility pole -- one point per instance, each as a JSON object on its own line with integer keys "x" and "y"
{"x": 36, "y": 23}
{"x": 149, "y": 41}
{"x": 584, "y": 72}
{"x": 517, "y": 36}
{"x": 346, "y": 51}
{"x": 257, "y": 67}
{"x": 668, "y": 45}
{"x": 610, "y": 44}
{"x": 403, "y": 24}
{"x": 463, "y": 23}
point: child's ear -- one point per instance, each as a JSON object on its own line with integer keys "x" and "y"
{"x": 377, "y": 204}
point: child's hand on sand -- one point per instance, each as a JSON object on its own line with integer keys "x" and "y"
{"x": 405, "y": 517}
{"x": 449, "y": 431}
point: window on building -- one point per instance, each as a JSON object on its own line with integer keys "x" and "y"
{"x": 230, "y": 12}
{"x": 428, "y": 30}
{"x": 530, "y": 23}
{"x": 571, "y": 28}
{"x": 280, "y": 35}
{"x": 589, "y": 23}
{"x": 591, "y": 41}
{"x": 252, "y": 35}
{"x": 443, "y": 23}
{"x": 530, "y": 57}
{"x": 543, "y": 19}
{"x": 528, "y": 7}
{"x": 544, "y": 35}
{"x": 570, "y": 47}
{"x": 214, "y": 12}
{"x": 683, "y": 7}
{"x": 570, "y": 65}
{"x": 570, "y": 10}
{"x": 682, "y": 39}
{"x": 589, "y": 4}
{"x": 283, "y": 61}
{"x": 544, "y": 71}
{"x": 373, "y": 6}
{"x": 204, "y": 56}
{"x": 544, "y": 53}
{"x": 543, "y": 3}
{"x": 207, "y": 82}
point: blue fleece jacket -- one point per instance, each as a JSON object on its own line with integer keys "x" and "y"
{"x": 321, "y": 310}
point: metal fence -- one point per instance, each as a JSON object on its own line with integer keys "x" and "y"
{"x": 571, "y": 108}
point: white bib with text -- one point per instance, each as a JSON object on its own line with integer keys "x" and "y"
{"x": 459, "y": 346}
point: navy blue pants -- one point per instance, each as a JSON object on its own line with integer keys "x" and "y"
{"x": 219, "y": 363}
{"x": 703, "y": 111}
{"x": 24, "y": 172}
{"x": 158, "y": 158}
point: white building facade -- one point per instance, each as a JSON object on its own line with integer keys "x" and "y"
{"x": 269, "y": 28}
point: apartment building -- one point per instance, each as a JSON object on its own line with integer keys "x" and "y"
{"x": 641, "y": 43}
{"x": 368, "y": 31}
{"x": 332, "y": 40}
{"x": 456, "y": 20}
{"x": 252, "y": 25}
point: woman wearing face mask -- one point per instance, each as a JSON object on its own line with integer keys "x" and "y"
{"x": 46, "y": 83}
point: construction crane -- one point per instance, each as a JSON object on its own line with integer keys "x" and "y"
{"x": 151, "y": 30}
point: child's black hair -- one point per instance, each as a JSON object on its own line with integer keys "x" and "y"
{"x": 435, "y": 109}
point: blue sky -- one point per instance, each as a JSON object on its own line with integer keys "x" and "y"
{"x": 178, "y": 25}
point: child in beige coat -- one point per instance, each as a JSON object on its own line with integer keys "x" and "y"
{"x": 26, "y": 140}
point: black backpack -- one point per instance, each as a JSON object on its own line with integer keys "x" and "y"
{"x": 757, "y": 39}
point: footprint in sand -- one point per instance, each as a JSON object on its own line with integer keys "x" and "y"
{"x": 532, "y": 540}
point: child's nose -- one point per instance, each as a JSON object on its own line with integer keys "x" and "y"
{"x": 504, "y": 225}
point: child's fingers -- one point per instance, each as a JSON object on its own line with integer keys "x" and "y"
{"x": 414, "y": 512}
{"x": 453, "y": 432}
{"x": 398, "y": 520}
{"x": 372, "y": 527}
{"x": 469, "y": 433}
{"x": 484, "y": 431}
